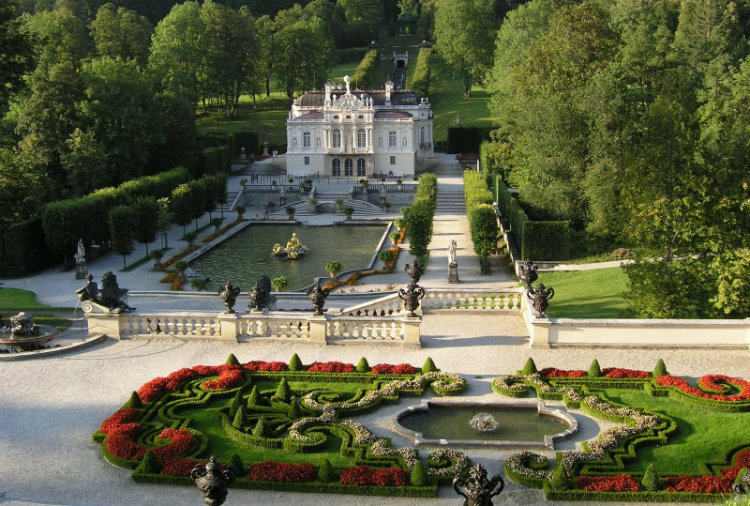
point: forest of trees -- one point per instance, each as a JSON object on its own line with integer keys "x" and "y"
{"x": 629, "y": 118}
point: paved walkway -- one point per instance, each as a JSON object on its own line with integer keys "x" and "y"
{"x": 50, "y": 407}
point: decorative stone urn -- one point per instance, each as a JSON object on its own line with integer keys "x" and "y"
{"x": 539, "y": 296}
{"x": 411, "y": 297}
{"x": 527, "y": 273}
{"x": 317, "y": 296}
{"x": 212, "y": 482}
{"x": 477, "y": 489}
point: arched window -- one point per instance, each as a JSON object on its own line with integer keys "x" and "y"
{"x": 361, "y": 138}
{"x": 348, "y": 167}
{"x": 337, "y": 138}
{"x": 360, "y": 166}
{"x": 336, "y": 167}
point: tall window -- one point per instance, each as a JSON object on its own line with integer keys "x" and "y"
{"x": 421, "y": 135}
{"x": 306, "y": 139}
{"x": 348, "y": 167}
{"x": 361, "y": 138}
{"x": 337, "y": 138}
{"x": 307, "y": 160}
{"x": 361, "y": 167}
{"x": 336, "y": 167}
{"x": 391, "y": 139}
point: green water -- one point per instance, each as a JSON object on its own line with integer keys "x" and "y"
{"x": 246, "y": 256}
{"x": 452, "y": 423}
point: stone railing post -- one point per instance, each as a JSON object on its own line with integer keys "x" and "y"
{"x": 318, "y": 328}
{"x": 229, "y": 326}
{"x": 411, "y": 326}
{"x": 108, "y": 324}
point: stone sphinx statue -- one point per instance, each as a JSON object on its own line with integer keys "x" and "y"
{"x": 109, "y": 298}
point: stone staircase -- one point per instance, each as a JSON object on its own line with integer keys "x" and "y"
{"x": 302, "y": 208}
{"x": 450, "y": 202}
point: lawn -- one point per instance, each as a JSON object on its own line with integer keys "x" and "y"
{"x": 695, "y": 441}
{"x": 15, "y": 300}
{"x": 598, "y": 293}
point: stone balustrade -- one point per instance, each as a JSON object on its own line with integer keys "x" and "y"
{"x": 279, "y": 326}
{"x": 436, "y": 299}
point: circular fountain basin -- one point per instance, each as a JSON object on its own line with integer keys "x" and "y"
{"x": 28, "y": 342}
{"x": 520, "y": 424}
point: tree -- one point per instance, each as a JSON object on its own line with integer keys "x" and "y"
{"x": 61, "y": 36}
{"x": 85, "y": 163}
{"x": 227, "y": 44}
{"x": 333, "y": 268}
{"x": 121, "y": 33}
{"x": 181, "y": 205}
{"x": 145, "y": 220}
{"x": 121, "y": 230}
{"x": 176, "y": 54}
{"x": 464, "y": 37}
{"x": 484, "y": 233}
{"x": 122, "y": 114}
{"x": 363, "y": 19}
{"x": 48, "y": 116}
{"x": 22, "y": 185}
{"x": 305, "y": 52}
{"x": 16, "y": 52}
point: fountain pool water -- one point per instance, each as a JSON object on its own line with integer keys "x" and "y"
{"x": 450, "y": 423}
{"x": 245, "y": 256}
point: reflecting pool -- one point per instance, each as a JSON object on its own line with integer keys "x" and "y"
{"x": 246, "y": 256}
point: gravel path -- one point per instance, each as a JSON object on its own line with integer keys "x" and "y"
{"x": 50, "y": 407}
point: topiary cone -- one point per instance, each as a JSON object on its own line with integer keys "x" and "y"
{"x": 232, "y": 360}
{"x": 295, "y": 364}
{"x": 429, "y": 366}
{"x": 594, "y": 370}
{"x": 529, "y": 368}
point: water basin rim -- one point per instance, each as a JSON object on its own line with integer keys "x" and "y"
{"x": 542, "y": 409}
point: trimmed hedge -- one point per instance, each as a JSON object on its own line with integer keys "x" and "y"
{"x": 350, "y": 54}
{"x": 22, "y": 248}
{"x": 66, "y": 221}
{"x": 365, "y": 72}
{"x": 423, "y": 76}
{"x": 540, "y": 240}
{"x": 419, "y": 217}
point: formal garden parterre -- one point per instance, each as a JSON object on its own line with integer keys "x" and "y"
{"x": 280, "y": 426}
{"x": 673, "y": 443}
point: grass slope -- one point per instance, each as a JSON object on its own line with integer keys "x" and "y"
{"x": 702, "y": 436}
{"x": 587, "y": 294}
{"x": 15, "y": 300}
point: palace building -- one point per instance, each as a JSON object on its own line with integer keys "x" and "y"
{"x": 338, "y": 132}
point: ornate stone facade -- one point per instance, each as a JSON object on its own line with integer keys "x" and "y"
{"x": 345, "y": 132}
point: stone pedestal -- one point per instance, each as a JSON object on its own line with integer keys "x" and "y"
{"x": 81, "y": 269}
{"x": 318, "y": 328}
{"x": 229, "y": 325}
{"x": 453, "y": 273}
{"x": 411, "y": 328}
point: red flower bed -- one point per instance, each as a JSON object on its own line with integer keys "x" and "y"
{"x": 179, "y": 467}
{"x": 330, "y": 367}
{"x": 120, "y": 444}
{"x": 554, "y": 372}
{"x": 259, "y": 365}
{"x": 619, "y": 483}
{"x": 710, "y": 382}
{"x": 124, "y": 419}
{"x": 393, "y": 369}
{"x": 180, "y": 442}
{"x": 229, "y": 376}
{"x": 699, "y": 484}
{"x": 616, "y": 372}
{"x": 152, "y": 389}
{"x": 275, "y": 471}
{"x": 365, "y": 475}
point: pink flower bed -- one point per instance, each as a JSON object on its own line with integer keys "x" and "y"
{"x": 259, "y": 365}
{"x": 330, "y": 367}
{"x": 275, "y": 471}
{"x": 619, "y": 483}
{"x": 393, "y": 369}
{"x": 616, "y": 372}
{"x": 710, "y": 382}
{"x": 365, "y": 475}
{"x": 554, "y": 372}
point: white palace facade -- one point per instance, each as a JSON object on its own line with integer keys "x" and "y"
{"x": 337, "y": 132}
